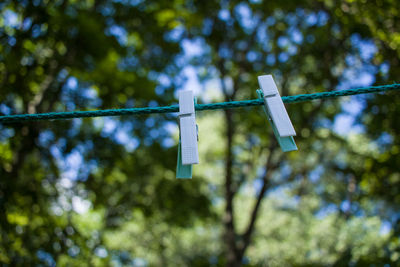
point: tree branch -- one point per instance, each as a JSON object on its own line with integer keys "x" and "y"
{"x": 246, "y": 237}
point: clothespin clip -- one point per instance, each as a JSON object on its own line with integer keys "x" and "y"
{"x": 276, "y": 113}
{"x": 188, "y": 148}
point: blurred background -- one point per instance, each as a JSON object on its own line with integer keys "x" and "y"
{"x": 103, "y": 192}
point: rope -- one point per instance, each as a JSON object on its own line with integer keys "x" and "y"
{"x": 175, "y": 108}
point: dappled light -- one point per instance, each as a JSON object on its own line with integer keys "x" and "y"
{"x": 102, "y": 191}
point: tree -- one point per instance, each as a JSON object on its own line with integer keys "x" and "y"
{"x": 103, "y": 191}
{"x": 68, "y": 55}
{"x": 308, "y": 46}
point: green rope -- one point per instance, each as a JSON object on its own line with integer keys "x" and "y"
{"x": 175, "y": 108}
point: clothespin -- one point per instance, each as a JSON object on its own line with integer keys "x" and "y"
{"x": 276, "y": 113}
{"x": 188, "y": 148}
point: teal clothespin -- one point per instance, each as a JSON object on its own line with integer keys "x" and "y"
{"x": 276, "y": 113}
{"x": 182, "y": 171}
{"x": 188, "y": 137}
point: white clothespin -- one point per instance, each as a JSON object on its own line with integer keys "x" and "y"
{"x": 188, "y": 153}
{"x": 276, "y": 111}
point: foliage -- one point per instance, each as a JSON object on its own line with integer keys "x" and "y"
{"x": 103, "y": 191}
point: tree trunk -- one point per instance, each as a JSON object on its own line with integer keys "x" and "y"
{"x": 232, "y": 255}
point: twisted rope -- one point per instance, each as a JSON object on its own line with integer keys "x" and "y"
{"x": 175, "y": 108}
